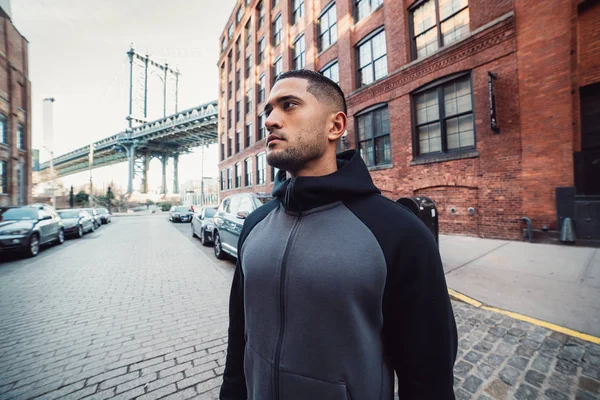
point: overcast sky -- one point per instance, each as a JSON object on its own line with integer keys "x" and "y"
{"x": 77, "y": 54}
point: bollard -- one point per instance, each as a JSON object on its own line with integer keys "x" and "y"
{"x": 567, "y": 233}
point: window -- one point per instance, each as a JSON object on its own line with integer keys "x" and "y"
{"x": 332, "y": 72}
{"x": 275, "y": 2}
{"x": 364, "y": 8}
{"x": 437, "y": 23}
{"x": 229, "y": 178}
{"x": 299, "y": 60}
{"x": 223, "y": 180}
{"x": 230, "y": 32}
{"x": 222, "y": 149}
{"x": 238, "y": 141}
{"x": 261, "y": 127}
{"x": 238, "y": 49}
{"x": 238, "y": 111}
{"x": 229, "y": 61}
{"x": 230, "y": 89}
{"x": 20, "y": 137}
{"x": 3, "y": 178}
{"x": 373, "y": 131}
{"x": 261, "y": 88}
{"x": 327, "y": 34}
{"x": 261, "y": 50}
{"x": 223, "y": 44}
{"x": 248, "y": 166}
{"x": 248, "y": 135}
{"x": 229, "y": 146}
{"x": 245, "y": 205}
{"x": 261, "y": 15}
{"x": 248, "y": 100}
{"x": 248, "y": 33}
{"x": 277, "y": 30}
{"x": 3, "y": 129}
{"x": 238, "y": 80}
{"x": 238, "y": 15}
{"x": 277, "y": 68}
{"x": 238, "y": 175}
{"x": 260, "y": 169}
{"x": 372, "y": 59}
{"x": 248, "y": 65}
{"x": 229, "y": 116}
{"x": 444, "y": 117}
{"x": 297, "y": 10}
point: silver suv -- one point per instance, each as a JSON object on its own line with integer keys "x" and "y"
{"x": 229, "y": 220}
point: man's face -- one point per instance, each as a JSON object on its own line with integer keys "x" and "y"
{"x": 297, "y": 126}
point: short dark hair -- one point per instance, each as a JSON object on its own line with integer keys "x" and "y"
{"x": 323, "y": 88}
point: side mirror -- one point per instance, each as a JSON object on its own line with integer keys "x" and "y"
{"x": 243, "y": 214}
{"x": 46, "y": 217}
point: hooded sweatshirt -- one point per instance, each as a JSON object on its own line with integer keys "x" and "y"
{"x": 337, "y": 288}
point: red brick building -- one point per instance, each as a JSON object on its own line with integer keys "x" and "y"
{"x": 15, "y": 115}
{"x": 418, "y": 77}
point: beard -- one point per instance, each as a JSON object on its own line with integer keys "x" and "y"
{"x": 306, "y": 149}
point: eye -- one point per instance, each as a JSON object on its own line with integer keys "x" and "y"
{"x": 288, "y": 104}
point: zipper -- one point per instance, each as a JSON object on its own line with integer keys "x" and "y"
{"x": 288, "y": 246}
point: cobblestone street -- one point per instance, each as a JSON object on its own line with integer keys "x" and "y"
{"x": 138, "y": 309}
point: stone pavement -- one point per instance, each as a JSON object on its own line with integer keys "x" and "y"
{"x": 555, "y": 283}
{"x": 138, "y": 309}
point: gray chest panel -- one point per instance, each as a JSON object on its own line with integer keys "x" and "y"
{"x": 332, "y": 295}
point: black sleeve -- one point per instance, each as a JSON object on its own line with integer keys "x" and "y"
{"x": 234, "y": 382}
{"x": 419, "y": 330}
{"x": 419, "y": 325}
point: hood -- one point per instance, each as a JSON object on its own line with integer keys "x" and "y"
{"x": 352, "y": 179}
{"x": 70, "y": 221}
{"x": 12, "y": 225}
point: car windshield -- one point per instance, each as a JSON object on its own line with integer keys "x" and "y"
{"x": 210, "y": 212}
{"x": 181, "y": 209}
{"x": 68, "y": 214}
{"x": 17, "y": 214}
{"x": 100, "y": 210}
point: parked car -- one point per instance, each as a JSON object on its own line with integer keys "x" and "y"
{"x": 95, "y": 216}
{"x": 25, "y": 229}
{"x": 181, "y": 214}
{"x": 202, "y": 224}
{"x": 229, "y": 220}
{"x": 104, "y": 214}
{"x": 77, "y": 222}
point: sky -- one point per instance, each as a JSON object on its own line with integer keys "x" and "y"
{"x": 77, "y": 55}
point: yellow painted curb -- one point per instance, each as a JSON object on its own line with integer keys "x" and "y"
{"x": 557, "y": 328}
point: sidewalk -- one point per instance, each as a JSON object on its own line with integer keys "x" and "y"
{"x": 553, "y": 283}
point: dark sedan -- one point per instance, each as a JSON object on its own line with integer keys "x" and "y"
{"x": 77, "y": 222}
{"x": 25, "y": 229}
{"x": 95, "y": 216}
{"x": 203, "y": 225}
{"x": 180, "y": 214}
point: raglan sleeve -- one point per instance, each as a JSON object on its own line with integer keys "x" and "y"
{"x": 234, "y": 381}
{"x": 419, "y": 326}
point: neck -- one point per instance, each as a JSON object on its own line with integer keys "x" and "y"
{"x": 323, "y": 166}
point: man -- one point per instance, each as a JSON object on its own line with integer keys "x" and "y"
{"x": 336, "y": 287}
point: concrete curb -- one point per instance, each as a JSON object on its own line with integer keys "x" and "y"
{"x": 557, "y": 328}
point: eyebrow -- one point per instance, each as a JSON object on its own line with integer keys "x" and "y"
{"x": 269, "y": 107}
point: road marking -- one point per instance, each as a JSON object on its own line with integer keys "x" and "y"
{"x": 548, "y": 325}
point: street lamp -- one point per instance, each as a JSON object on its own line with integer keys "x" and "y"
{"x": 48, "y": 121}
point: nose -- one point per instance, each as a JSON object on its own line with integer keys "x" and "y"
{"x": 273, "y": 121}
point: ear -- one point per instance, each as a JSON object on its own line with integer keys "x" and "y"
{"x": 337, "y": 126}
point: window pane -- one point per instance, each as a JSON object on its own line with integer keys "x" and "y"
{"x": 385, "y": 121}
{"x": 424, "y": 17}
{"x": 366, "y": 152}
{"x": 427, "y": 43}
{"x": 383, "y": 152}
{"x": 333, "y": 33}
{"x": 379, "y": 45}
{"x": 430, "y": 138}
{"x": 449, "y": 7}
{"x": 361, "y": 128}
{"x": 381, "y": 68}
{"x": 366, "y": 76}
{"x": 364, "y": 55}
{"x": 456, "y": 27}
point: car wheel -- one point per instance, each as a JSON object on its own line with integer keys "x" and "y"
{"x": 80, "y": 231}
{"x": 219, "y": 253}
{"x": 34, "y": 245}
{"x": 61, "y": 237}
{"x": 93, "y": 227}
{"x": 204, "y": 238}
